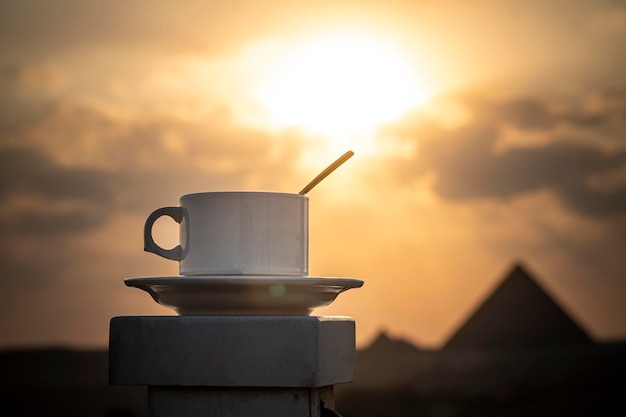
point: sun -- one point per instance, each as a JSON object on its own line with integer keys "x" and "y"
{"x": 341, "y": 85}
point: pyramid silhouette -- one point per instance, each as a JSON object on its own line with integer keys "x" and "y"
{"x": 385, "y": 344}
{"x": 519, "y": 313}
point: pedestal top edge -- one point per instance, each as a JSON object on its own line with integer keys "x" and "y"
{"x": 235, "y": 318}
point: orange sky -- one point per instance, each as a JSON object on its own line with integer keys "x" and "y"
{"x": 484, "y": 133}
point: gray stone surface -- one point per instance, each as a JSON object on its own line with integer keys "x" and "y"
{"x": 231, "y": 351}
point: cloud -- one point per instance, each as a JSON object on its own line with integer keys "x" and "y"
{"x": 41, "y": 197}
{"x": 31, "y": 171}
{"x": 42, "y": 29}
{"x": 562, "y": 167}
{"x": 75, "y": 165}
{"x": 55, "y": 26}
{"x": 468, "y": 166}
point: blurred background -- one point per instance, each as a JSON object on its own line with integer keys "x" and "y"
{"x": 485, "y": 134}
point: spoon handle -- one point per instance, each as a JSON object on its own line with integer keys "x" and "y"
{"x": 343, "y": 158}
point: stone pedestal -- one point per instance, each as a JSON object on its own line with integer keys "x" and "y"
{"x": 219, "y": 366}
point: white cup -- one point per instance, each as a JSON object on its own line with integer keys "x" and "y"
{"x": 237, "y": 233}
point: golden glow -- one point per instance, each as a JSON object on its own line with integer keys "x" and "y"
{"x": 340, "y": 85}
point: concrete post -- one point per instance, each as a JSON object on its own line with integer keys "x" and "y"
{"x": 233, "y": 366}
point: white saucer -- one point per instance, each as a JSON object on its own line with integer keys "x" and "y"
{"x": 243, "y": 295}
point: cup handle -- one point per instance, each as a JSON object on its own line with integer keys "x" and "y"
{"x": 149, "y": 245}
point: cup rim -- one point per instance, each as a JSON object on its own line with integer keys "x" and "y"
{"x": 207, "y": 193}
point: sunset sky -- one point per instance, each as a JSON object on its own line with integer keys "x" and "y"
{"x": 484, "y": 132}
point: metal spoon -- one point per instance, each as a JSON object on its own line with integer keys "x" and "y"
{"x": 343, "y": 158}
